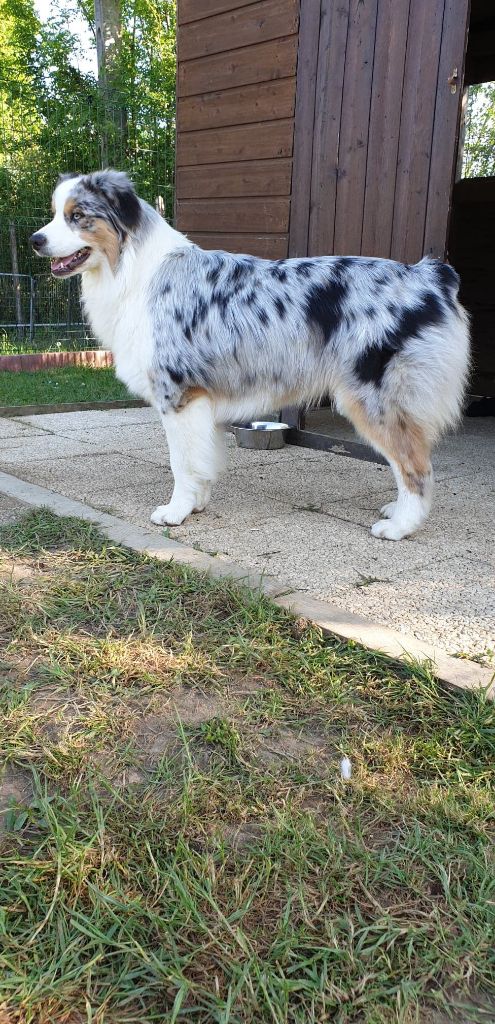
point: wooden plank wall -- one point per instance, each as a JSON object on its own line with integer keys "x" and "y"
{"x": 384, "y": 123}
{"x": 236, "y": 89}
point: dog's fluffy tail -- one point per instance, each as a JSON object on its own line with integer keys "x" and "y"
{"x": 430, "y": 383}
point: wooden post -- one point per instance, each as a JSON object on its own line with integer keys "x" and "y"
{"x": 32, "y": 298}
{"x": 15, "y": 272}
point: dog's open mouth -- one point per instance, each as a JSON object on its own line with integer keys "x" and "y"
{"x": 62, "y": 265}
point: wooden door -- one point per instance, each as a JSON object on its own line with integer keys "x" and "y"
{"x": 379, "y": 86}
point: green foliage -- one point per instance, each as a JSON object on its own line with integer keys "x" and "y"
{"x": 18, "y": 30}
{"x": 479, "y": 140}
{"x": 54, "y": 116}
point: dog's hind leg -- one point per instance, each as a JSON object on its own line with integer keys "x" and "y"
{"x": 196, "y": 458}
{"x": 406, "y": 447}
{"x": 414, "y": 478}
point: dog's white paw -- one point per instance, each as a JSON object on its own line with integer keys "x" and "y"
{"x": 387, "y": 511}
{"x": 170, "y": 515}
{"x": 388, "y": 530}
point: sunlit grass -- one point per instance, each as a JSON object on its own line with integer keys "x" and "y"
{"x": 182, "y": 846}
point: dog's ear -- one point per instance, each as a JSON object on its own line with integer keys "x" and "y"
{"x": 119, "y": 192}
{"x": 66, "y": 175}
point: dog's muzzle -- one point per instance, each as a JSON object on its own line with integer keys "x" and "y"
{"x": 38, "y": 242}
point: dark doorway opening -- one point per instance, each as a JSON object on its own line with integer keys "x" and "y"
{"x": 471, "y": 242}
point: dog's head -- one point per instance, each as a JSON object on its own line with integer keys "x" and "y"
{"x": 93, "y": 214}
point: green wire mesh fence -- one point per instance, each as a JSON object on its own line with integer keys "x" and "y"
{"x": 39, "y": 139}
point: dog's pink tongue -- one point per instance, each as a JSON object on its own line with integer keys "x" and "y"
{"x": 62, "y": 263}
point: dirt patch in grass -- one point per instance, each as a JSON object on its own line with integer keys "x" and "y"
{"x": 285, "y": 743}
{"x": 178, "y": 843}
{"x": 16, "y": 790}
{"x": 193, "y": 707}
{"x": 10, "y": 509}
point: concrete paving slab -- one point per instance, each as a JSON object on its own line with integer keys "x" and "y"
{"x": 459, "y": 524}
{"x": 94, "y": 418}
{"x": 136, "y": 503}
{"x": 326, "y": 421}
{"x": 462, "y": 519}
{"x": 449, "y": 602}
{"x": 126, "y": 437}
{"x": 88, "y": 475}
{"x": 246, "y": 458}
{"x": 15, "y": 430}
{"x": 312, "y": 552}
{"x": 316, "y": 484}
{"x": 10, "y": 444}
{"x": 470, "y": 465}
{"x": 95, "y": 423}
{"x": 41, "y": 448}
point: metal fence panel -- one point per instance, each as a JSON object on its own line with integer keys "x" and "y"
{"x": 39, "y": 314}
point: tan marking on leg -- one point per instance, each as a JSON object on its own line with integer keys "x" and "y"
{"x": 190, "y": 394}
{"x": 105, "y": 238}
{"x": 399, "y": 438}
{"x": 412, "y": 453}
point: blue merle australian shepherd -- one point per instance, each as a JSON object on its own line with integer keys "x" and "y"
{"x": 210, "y": 338}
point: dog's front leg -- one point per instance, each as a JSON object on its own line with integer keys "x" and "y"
{"x": 194, "y": 444}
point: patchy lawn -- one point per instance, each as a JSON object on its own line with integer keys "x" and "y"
{"x": 179, "y": 844}
{"x": 67, "y": 384}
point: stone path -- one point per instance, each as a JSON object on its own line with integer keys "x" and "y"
{"x": 300, "y": 515}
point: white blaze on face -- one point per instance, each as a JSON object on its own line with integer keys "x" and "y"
{"x": 62, "y": 240}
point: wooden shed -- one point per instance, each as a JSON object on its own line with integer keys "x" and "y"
{"x": 332, "y": 126}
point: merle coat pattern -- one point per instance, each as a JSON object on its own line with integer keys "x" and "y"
{"x": 211, "y": 337}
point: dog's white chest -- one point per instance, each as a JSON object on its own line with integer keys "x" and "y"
{"x": 121, "y": 324}
{"x": 132, "y": 362}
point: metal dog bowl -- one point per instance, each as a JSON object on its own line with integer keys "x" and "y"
{"x": 263, "y": 435}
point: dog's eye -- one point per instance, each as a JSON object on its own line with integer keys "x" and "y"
{"x": 76, "y": 215}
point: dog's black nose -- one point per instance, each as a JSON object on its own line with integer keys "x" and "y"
{"x": 38, "y": 240}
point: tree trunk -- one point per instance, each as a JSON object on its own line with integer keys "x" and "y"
{"x": 108, "y": 28}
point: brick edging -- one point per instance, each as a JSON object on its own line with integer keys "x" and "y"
{"x": 30, "y": 361}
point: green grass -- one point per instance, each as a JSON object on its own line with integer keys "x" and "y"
{"x": 68, "y": 384}
{"x": 183, "y": 848}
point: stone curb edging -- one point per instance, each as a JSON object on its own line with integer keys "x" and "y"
{"x": 47, "y": 410}
{"x": 457, "y": 672}
{"x": 122, "y": 532}
{"x": 30, "y": 361}
{"x": 461, "y": 674}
